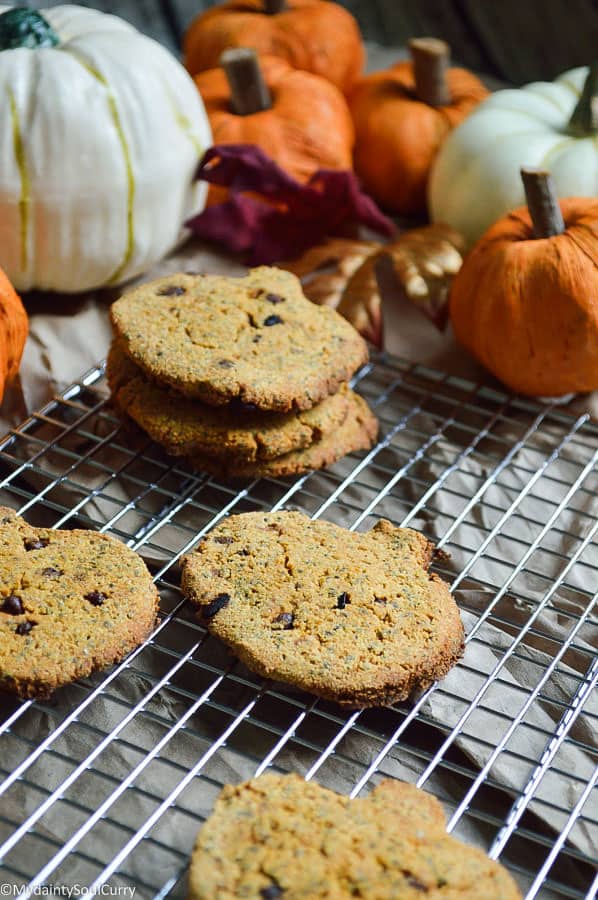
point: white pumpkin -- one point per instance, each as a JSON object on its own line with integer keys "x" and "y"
{"x": 100, "y": 137}
{"x": 476, "y": 176}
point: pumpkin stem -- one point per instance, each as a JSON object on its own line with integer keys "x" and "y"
{"x": 542, "y": 203}
{"x": 274, "y": 6}
{"x": 430, "y": 58}
{"x": 584, "y": 120}
{"x": 25, "y": 27}
{"x": 249, "y": 92}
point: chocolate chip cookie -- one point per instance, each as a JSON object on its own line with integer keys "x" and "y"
{"x": 280, "y": 836}
{"x": 236, "y": 431}
{"x": 355, "y": 618}
{"x": 255, "y": 339}
{"x": 357, "y": 432}
{"x": 71, "y": 602}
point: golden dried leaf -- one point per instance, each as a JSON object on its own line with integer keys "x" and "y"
{"x": 424, "y": 261}
{"x": 326, "y": 268}
{"x": 351, "y": 275}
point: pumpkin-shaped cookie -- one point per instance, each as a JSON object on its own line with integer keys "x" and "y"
{"x": 102, "y": 132}
{"x": 313, "y": 35}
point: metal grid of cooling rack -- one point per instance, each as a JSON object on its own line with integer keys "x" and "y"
{"x": 107, "y": 783}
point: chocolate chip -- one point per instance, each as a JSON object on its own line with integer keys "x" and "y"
{"x": 285, "y": 619}
{"x": 36, "y": 543}
{"x": 215, "y": 606}
{"x": 241, "y": 407}
{"x": 96, "y": 598}
{"x": 51, "y": 572}
{"x": 380, "y": 599}
{"x": 342, "y": 600}
{"x": 417, "y": 884}
{"x": 13, "y": 605}
{"x": 274, "y": 298}
{"x": 171, "y": 290}
{"x": 223, "y": 539}
{"x": 226, "y": 364}
{"x": 272, "y": 891}
{"x": 273, "y": 320}
{"x": 24, "y": 627}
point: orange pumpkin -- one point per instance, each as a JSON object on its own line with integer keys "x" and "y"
{"x": 14, "y": 327}
{"x": 308, "y": 126}
{"x": 313, "y": 35}
{"x": 527, "y": 307}
{"x": 401, "y": 117}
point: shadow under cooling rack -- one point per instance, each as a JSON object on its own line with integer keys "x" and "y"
{"x": 108, "y": 782}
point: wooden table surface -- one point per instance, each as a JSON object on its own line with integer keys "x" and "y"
{"x": 514, "y": 40}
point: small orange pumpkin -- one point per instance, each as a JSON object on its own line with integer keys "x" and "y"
{"x": 312, "y": 35}
{"x": 401, "y": 117}
{"x": 14, "y": 327}
{"x": 307, "y": 127}
{"x": 527, "y": 306}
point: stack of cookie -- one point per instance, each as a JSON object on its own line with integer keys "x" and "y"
{"x": 242, "y": 376}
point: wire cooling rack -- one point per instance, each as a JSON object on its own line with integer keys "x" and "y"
{"x": 107, "y": 783}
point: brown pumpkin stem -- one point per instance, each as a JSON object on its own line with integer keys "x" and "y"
{"x": 430, "y": 58}
{"x": 248, "y": 91}
{"x": 542, "y": 203}
{"x": 274, "y": 6}
{"x": 584, "y": 120}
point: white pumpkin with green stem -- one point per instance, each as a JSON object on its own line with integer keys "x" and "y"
{"x": 102, "y": 131}
{"x": 546, "y": 125}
